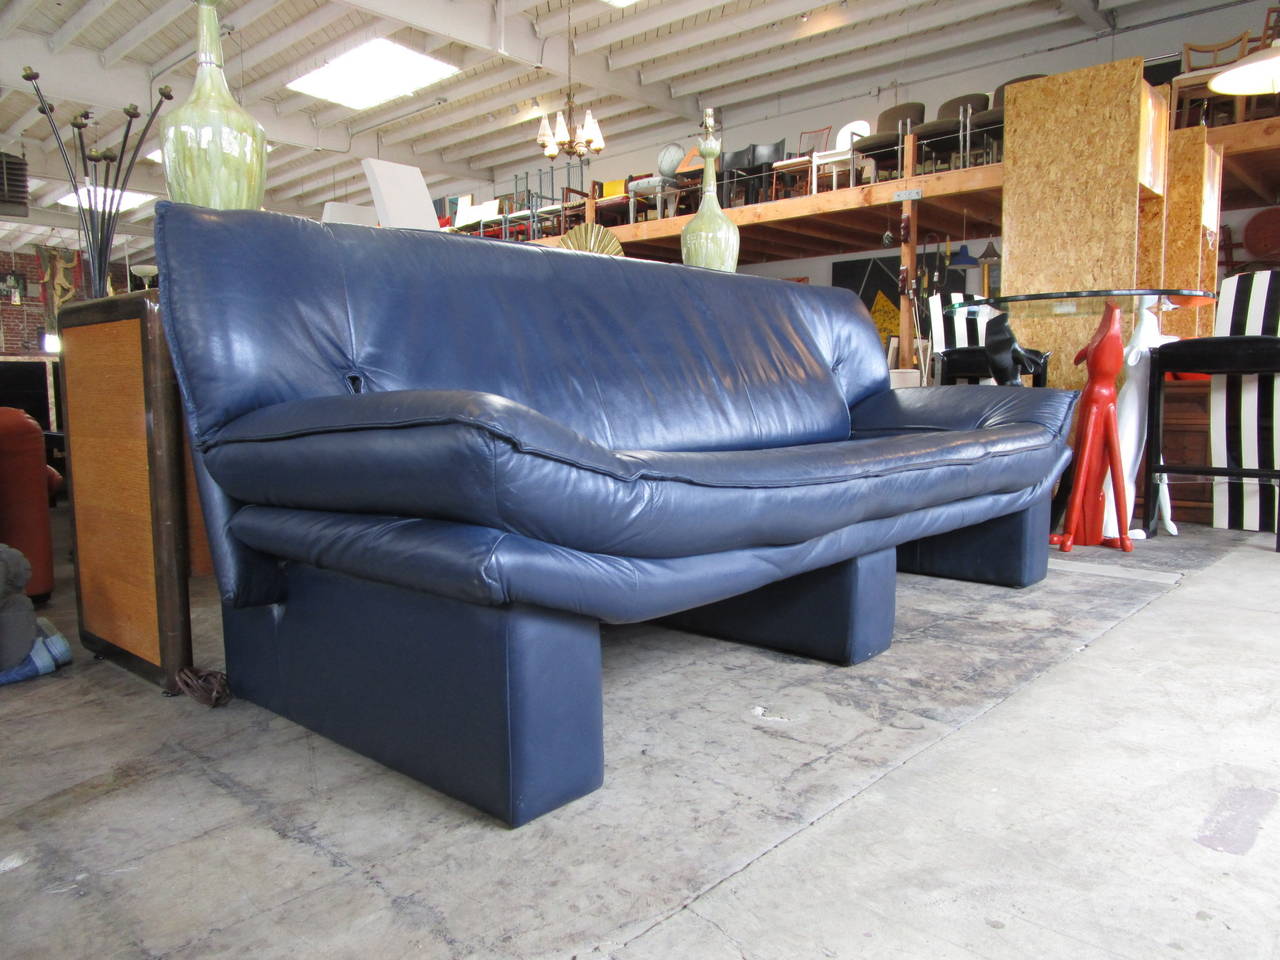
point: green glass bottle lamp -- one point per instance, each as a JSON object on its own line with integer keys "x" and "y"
{"x": 215, "y": 153}
{"x": 710, "y": 239}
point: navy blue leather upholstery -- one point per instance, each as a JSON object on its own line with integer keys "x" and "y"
{"x": 504, "y": 444}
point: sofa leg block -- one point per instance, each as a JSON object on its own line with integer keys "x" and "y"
{"x": 1011, "y": 551}
{"x": 497, "y": 706}
{"x": 842, "y": 613}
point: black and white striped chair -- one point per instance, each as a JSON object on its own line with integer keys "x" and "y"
{"x": 958, "y": 340}
{"x": 1244, "y": 404}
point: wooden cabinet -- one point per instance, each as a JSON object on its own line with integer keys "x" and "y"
{"x": 1186, "y": 440}
{"x": 130, "y": 495}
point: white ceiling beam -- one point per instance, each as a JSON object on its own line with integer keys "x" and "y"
{"x": 713, "y": 31}
{"x": 1087, "y": 12}
{"x": 659, "y": 15}
{"x": 144, "y": 30}
{"x": 269, "y": 84}
{"x": 558, "y": 22}
{"x": 78, "y": 23}
{"x": 19, "y": 126}
{"x": 318, "y": 178}
{"x": 282, "y": 40}
{"x": 13, "y": 14}
{"x": 791, "y": 30}
{"x": 237, "y": 19}
{"x": 470, "y": 22}
{"x": 82, "y": 78}
{"x": 448, "y": 91}
{"x": 324, "y": 161}
{"x": 891, "y": 55}
{"x": 70, "y": 221}
{"x": 846, "y": 43}
{"x": 498, "y": 100}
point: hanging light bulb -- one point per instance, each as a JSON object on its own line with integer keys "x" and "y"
{"x": 544, "y": 133}
{"x": 591, "y": 135}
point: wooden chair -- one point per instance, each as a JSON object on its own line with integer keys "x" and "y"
{"x": 811, "y": 141}
{"x": 1200, "y": 63}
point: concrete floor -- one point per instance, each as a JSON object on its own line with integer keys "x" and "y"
{"x": 1087, "y": 768}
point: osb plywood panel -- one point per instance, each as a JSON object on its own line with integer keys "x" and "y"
{"x": 1071, "y": 180}
{"x": 1154, "y": 138}
{"x": 1151, "y": 238}
{"x": 106, "y": 417}
{"x": 1190, "y": 249}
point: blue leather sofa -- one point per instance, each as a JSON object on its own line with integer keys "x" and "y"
{"x": 432, "y": 465}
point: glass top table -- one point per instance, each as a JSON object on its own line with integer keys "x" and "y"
{"x": 1175, "y": 297}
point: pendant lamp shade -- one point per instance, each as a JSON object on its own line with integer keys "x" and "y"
{"x": 990, "y": 254}
{"x": 1256, "y": 74}
{"x": 963, "y": 260}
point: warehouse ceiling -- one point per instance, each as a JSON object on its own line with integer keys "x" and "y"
{"x": 646, "y": 70}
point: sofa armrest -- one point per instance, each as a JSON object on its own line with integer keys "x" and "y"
{"x": 933, "y": 409}
{"x": 523, "y": 427}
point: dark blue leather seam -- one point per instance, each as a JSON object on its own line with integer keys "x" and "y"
{"x": 495, "y": 432}
{"x": 497, "y": 586}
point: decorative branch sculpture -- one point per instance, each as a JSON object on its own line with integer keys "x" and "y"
{"x": 103, "y": 178}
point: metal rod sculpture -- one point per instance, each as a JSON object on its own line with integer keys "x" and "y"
{"x": 104, "y": 175}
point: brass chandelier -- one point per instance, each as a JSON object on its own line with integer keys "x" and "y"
{"x": 569, "y": 138}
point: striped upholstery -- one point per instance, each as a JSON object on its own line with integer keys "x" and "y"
{"x": 1243, "y": 432}
{"x": 962, "y": 327}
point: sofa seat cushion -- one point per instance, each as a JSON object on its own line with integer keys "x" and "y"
{"x": 492, "y": 567}
{"x": 481, "y": 459}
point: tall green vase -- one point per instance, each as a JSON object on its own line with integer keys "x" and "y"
{"x": 710, "y": 239}
{"x": 215, "y": 153}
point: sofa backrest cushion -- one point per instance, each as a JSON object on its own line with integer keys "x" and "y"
{"x": 262, "y": 308}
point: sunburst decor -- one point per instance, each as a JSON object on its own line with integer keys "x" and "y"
{"x": 592, "y": 238}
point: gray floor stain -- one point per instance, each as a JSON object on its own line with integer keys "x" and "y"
{"x": 1232, "y": 826}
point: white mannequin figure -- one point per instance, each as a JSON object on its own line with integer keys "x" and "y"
{"x": 1131, "y": 412}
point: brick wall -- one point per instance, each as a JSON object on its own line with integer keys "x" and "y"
{"x": 21, "y": 326}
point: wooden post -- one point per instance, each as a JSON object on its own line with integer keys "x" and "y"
{"x": 910, "y": 234}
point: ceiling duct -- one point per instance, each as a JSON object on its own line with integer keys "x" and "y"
{"x": 13, "y": 186}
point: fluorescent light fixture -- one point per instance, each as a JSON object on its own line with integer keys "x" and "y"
{"x": 128, "y": 201}
{"x": 372, "y": 73}
{"x": 620, "y": 3}
{"x": 1256, "y": 74}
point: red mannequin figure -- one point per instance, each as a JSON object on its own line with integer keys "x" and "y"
{"x": 1097, "y": 442}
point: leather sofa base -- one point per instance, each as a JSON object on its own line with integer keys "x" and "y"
{"x": 499, "y": 707}
{"x": 843, "y": 613}
{"x": 1010, "y": 551}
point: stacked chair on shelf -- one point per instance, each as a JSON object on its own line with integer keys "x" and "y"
{"x": 735, "y": 170}
{"x": 988, "y": 125}
{"x": 794, "y": 174}
{"x": 842, "y": 157}
{"x": 885, "y": 145}
{"x": 948, "y": 137}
